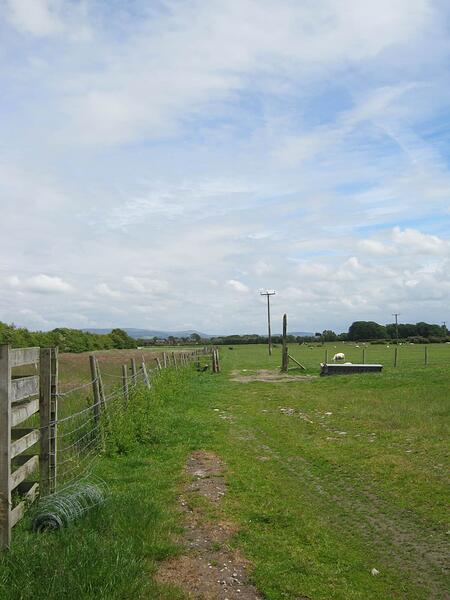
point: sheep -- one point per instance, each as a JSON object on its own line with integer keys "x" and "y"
{"x": 338, "y": 356}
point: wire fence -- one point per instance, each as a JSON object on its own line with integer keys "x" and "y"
{"x": 66, "y": 431}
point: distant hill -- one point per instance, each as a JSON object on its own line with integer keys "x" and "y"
{"x": 301, "y": 333}
{"x": 150, "y": 333}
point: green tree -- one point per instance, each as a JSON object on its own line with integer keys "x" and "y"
{"x": 366, "y": 330}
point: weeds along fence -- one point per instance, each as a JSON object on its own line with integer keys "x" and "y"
{"x": 49, "y": 439}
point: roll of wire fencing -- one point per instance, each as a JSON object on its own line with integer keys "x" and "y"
{"x": 62, "y": 508}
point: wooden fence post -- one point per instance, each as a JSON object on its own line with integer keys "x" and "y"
{"x": 164, "y": 359}
{"x": 48, "y": 412}
{"x": 133, "y": 370}
{"x": 364, "y": 356}
{"x": 95, "y": 390}
{"x": 395, "y": 356}
{"x": 326, "y": 356}
{"x": 5, "y": 447}
{"x": 284, "y": 356}
{"x": 125, "y": 383}
{"x": 158, "y": 363}
{"x": 101, "y": 389}
{"x": 145, "y": 374}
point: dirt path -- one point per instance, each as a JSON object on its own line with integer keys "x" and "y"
{"x": 267, "y": 376}
{"x": 209, "y": 568}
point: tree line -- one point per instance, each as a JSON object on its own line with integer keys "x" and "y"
{"x": 76, "y": 340}
{"x": 68, "y": 340}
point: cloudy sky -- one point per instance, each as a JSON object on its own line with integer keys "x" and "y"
{"x": 161, "y": 161}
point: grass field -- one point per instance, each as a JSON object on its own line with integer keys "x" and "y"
{"x": 327, "y": 479}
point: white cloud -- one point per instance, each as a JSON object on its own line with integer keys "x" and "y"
{"x": 38, "y": 17}
{"x": 41, "y": 284}
{"x": 104, "y": 290}
{"x": 238, "y": 286}
{"x": 416, "y": 241}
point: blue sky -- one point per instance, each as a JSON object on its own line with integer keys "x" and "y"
{"x": 162, "y": 162}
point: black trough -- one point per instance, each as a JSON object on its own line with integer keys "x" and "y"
{"x": 339, "y": 369}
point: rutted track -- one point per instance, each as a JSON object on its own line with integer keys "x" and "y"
{"x": 396, "y": 536}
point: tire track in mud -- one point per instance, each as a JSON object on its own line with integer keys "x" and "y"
{"x": 395, "y": 535}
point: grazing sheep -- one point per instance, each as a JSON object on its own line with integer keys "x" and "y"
{"x": 338, "y": 356}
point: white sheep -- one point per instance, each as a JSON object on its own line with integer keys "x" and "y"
{"x": 338, "y": 356}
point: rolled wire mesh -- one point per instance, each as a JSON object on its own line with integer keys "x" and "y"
{"x": 68, "y": 504}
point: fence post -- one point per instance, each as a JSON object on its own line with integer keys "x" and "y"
{"x": 284, "y": 356}
{"x": 158, "y": 363}
{"x": 101, "y": 389}
{"x": 145, "y": 374}
{"x": 395, "y": 356}
{"x": 95, "y": 389}
{"x": 364, "y": 356}
{"x": 5, "y": 447}
{"x": 133, "y": 370}
{"x": 125, "y": 383}
{"x": 48, "y": 414}
{"x": 326, "y": 356}
{"x": 164, "y": 359}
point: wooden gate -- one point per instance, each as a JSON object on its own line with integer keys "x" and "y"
{"x": 21, "y": 398}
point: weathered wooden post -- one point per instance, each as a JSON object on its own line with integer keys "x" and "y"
{"x": 125, "y": 383}
{"x": 101, "y": 389}
{"x": 5, "y": 447}
{"x": 326, "y": 355}
{"x": 48, "y": 412}
{"x": 284, "y": 355}
{"x": 364, "y": 356}
{"x": 145, "y": 374}
{"x": 133, "y": 370}
{"x": 395, "y": 356}
{"x": 164, "y": 359}
{"x": 158, "y": 363}
{"x": 95, "y": 390}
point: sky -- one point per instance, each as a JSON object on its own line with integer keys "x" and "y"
{"x": 163, "y": 161}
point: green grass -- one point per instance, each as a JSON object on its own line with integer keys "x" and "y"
{"x": 321, "y": 499}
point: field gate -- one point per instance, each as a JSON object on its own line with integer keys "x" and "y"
{"x": 24, "y": 397}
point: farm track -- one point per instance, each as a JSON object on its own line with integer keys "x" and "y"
{"x": 398, "y": 537}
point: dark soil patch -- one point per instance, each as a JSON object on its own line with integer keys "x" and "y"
{"x": 268, "y": 376}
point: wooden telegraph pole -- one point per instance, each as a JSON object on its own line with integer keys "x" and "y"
{"x": 268, "y": 293}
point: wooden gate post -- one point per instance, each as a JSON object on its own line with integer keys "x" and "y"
{"x": 284, "y": 356}
{"x": 48, "y": 412}
{"x": 5, "y": 447}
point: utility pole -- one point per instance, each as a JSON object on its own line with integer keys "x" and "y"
{"x": 444, "y": 326}
{"x": 268, "y": 293}
{"x": 396, "y": 315}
